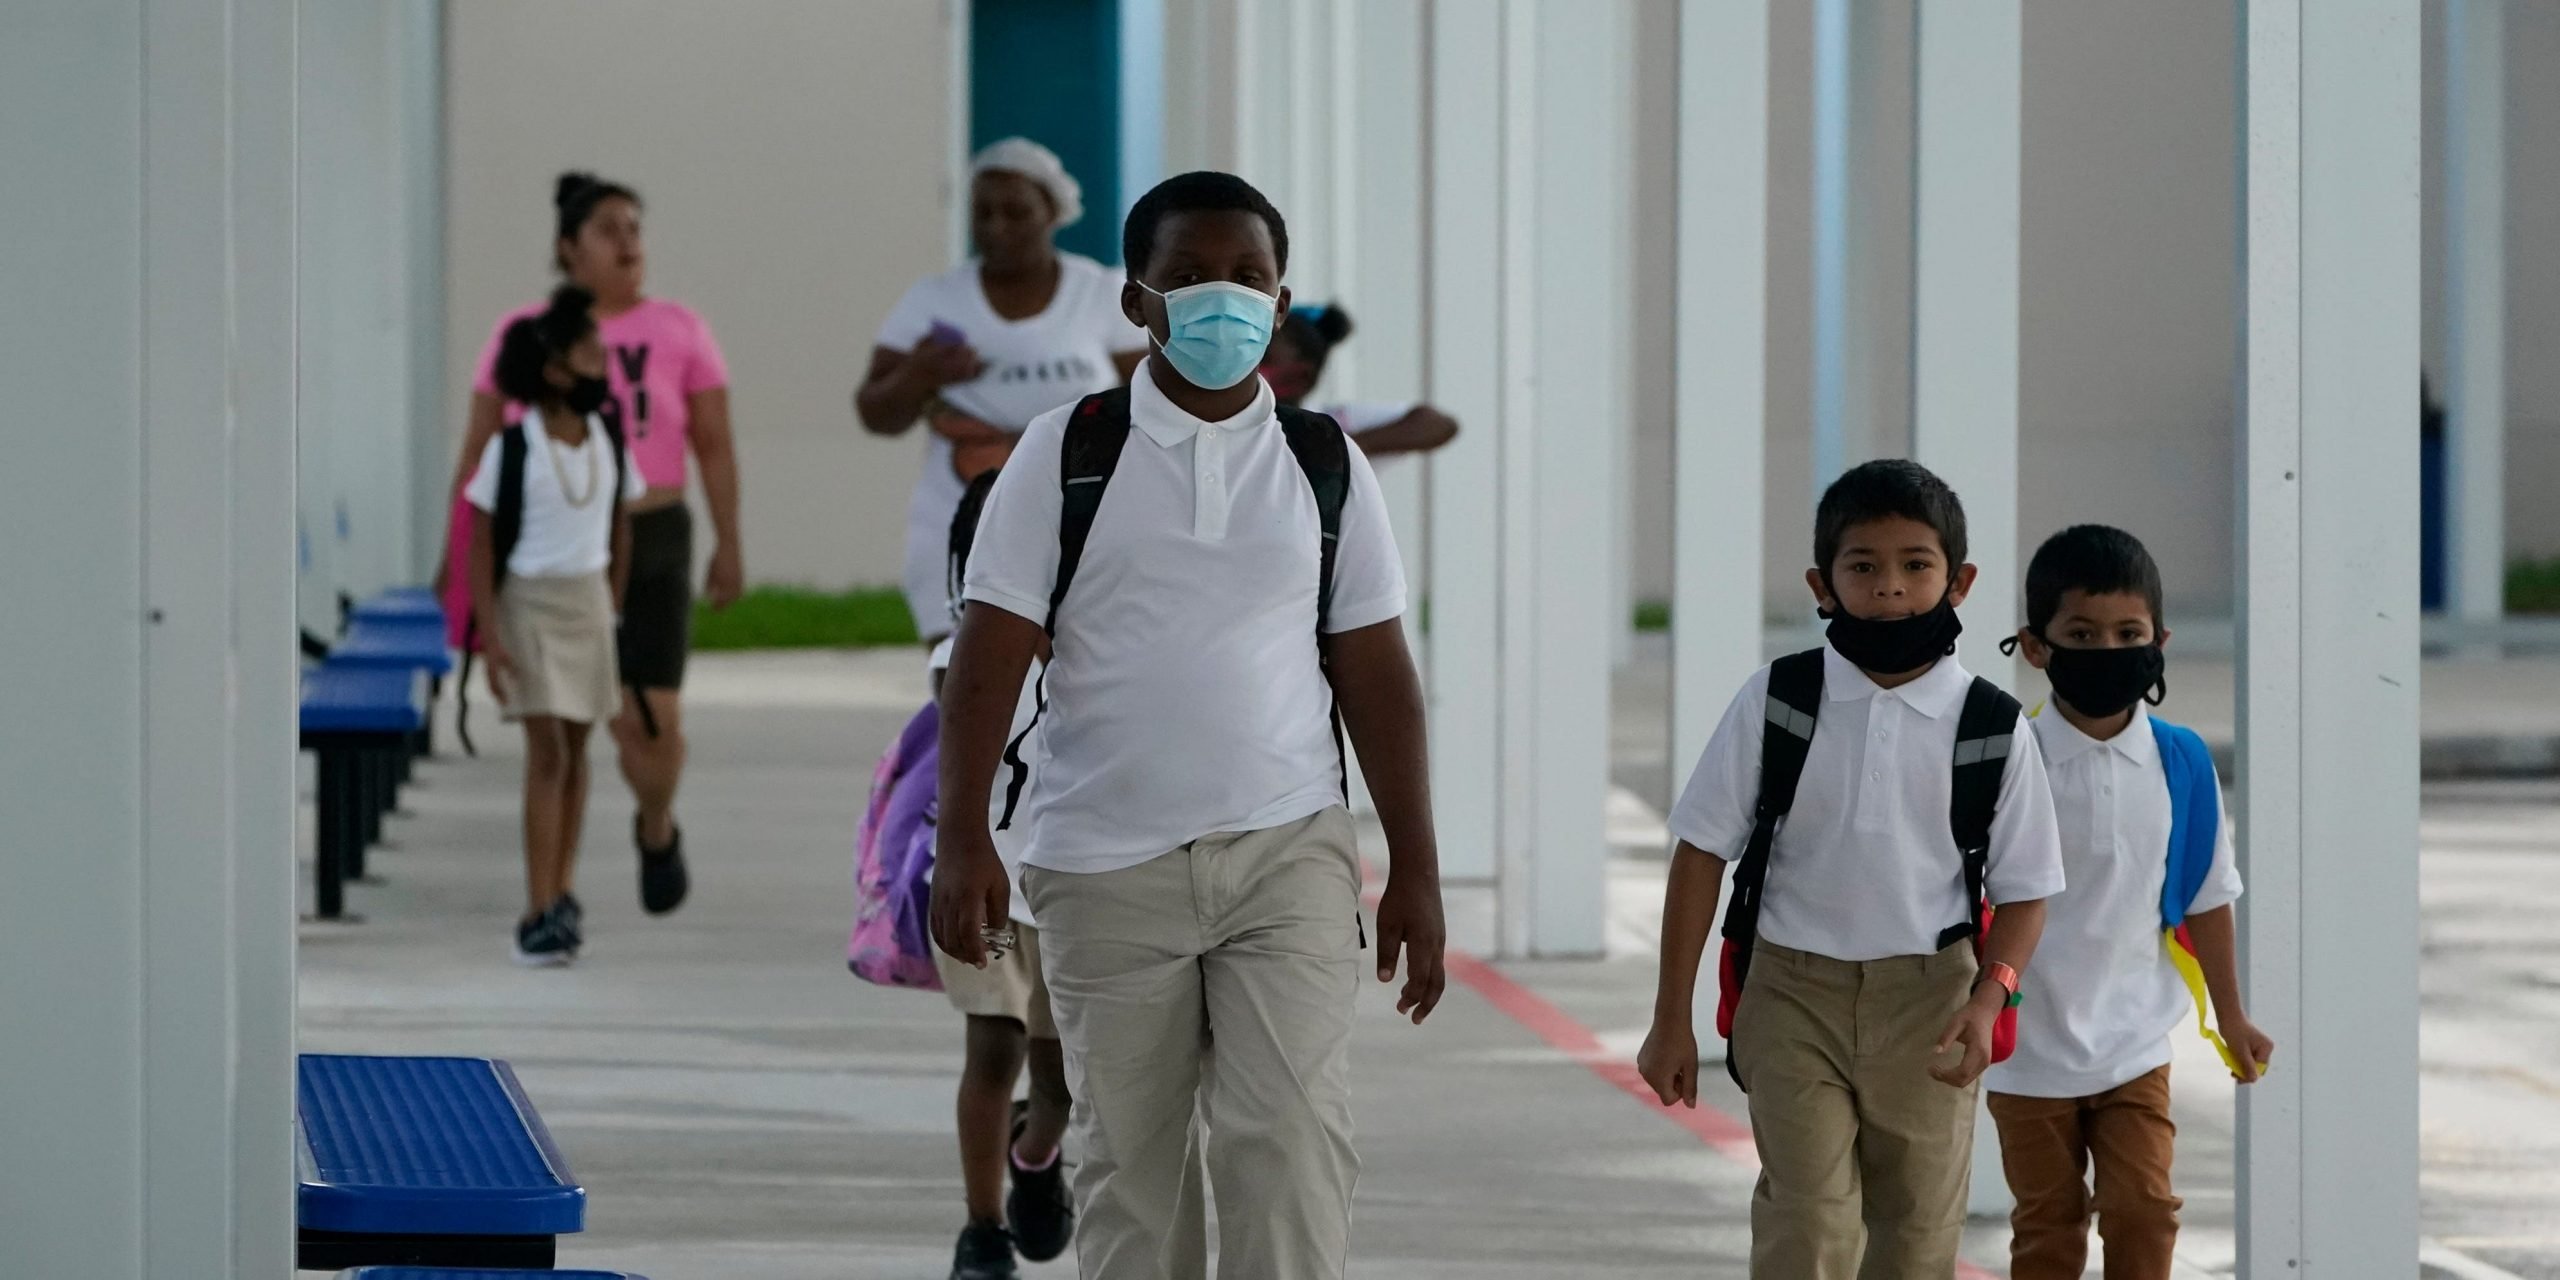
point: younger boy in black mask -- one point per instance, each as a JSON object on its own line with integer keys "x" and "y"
{"x": 2144, "y": 851}
{"x": 1862, "y": 1000}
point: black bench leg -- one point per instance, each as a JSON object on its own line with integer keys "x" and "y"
{"x": 338, "y": 1251}
{"x": 335, "y": 823}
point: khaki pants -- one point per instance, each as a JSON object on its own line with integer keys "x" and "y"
{"x": 2047, "y": 1146}
{"x": 1252, "y": 938}
{"x": 1863, "y": 1156}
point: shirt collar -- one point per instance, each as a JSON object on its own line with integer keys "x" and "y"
{"x": 1936, "y": 693}
{"x": 2062, "y": 740}
{"x": 1168, "y": 425}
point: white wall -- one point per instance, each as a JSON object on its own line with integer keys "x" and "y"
{"x": 145, "y": 784}
{"x": 794, "y": 157}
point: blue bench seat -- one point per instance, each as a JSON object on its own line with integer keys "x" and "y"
{"x": 426, "y": 1162}
{"x": 398, "y": 645}
{"x": 360, "y": 722}
{"x": 404, "y": 604}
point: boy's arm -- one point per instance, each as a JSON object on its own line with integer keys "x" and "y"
{"x": 1381, "y": 700}
{"x": 1669, "y": 1059}
{"x": 2217, "y": 950}
{"x": 979, "y": 693}
{"x": 2015, "y": 929}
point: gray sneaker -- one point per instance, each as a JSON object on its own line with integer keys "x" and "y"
{"x": 544, "y": 943}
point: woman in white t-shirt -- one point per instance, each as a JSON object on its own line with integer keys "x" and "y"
{"x": 550, "y": 553}
{"x": 980, "y": 350}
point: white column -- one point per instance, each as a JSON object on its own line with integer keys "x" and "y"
{"x": 1515, "y": 518}
{"x": 2474, "y": 82}
{"x": 1964, "y": 337}
{"x": 143, "y": 1089}
{"x": 417, "y": 36}
{"x": 1720, "y": 396}
{"x": 1382, "y": 46}
{"x": 2329, "y": 635}
{"x": 1964, "y": 324}
{"x": 1465, "y": 289}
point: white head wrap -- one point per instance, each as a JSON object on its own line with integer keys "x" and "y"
{"x": 1040, "y": 164}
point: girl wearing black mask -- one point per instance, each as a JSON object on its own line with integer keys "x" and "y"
{"x": 550, "y": 551}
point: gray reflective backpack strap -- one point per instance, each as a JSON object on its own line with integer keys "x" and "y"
{"x": 1786, "y": 737}
{"x": 1088, "y": 453}
{"x": 1985, "y": 735}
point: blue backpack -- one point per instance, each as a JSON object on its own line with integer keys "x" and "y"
{"x": 2195, "y": 829}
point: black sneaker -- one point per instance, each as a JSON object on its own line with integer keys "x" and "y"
{"x": 1039, "y": 1210}
{"x": 542, "y": 943}
{"x": 573, "y": 917}
{"x": 985, "y": 1252}
{"x": 663, "y": 881}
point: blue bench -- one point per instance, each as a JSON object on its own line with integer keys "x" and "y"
{"x": 358, "y": 722}
{"x": 449, "y": 1273}
{"x": 426, "y": 1162}
{"x": 391, "y": 633}
{"x": 404, "y": 604}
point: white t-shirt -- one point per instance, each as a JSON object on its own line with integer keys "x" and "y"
{"x": 1032, "y": 366}
{"x": 1185, "y": 696}
{"x": 1865, "y": 865}
{"x": 560, "y": 538}
{"x": 2102, "y": 996}
{"x": 1008, "y": 840}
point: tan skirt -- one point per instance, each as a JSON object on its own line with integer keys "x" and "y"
{"x": 559, "y": 631}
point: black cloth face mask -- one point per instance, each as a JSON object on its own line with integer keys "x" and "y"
{"x": 586, "y": 395}
{"x": 2104, "y": 682}
{"x": 1894, "y": 645}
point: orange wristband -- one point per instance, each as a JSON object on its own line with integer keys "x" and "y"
{"x": 2002, "y": 974}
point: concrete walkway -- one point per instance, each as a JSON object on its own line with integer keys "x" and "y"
{"x": 740, "y": 1107}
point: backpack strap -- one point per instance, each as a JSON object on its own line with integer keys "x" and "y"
{"x": 1323, "y": 452}
{"x": 506, "y": 524}
{"x": 1088, "y": 453}
{"x": 1985, "y": 732}
{"x": 1786, "y": 737}
{"x": 2195, "y": 817}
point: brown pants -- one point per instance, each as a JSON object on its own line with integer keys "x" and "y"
{"x": 2047, "y": 1146}
{"x": 1864, "y": 1157}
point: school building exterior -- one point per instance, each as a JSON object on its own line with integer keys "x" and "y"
{"x": 2175, "y": 265}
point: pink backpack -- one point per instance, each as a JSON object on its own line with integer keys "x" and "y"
{"x": 892, "y": 942}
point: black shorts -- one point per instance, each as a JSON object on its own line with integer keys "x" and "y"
{"x": 657, "y": 606}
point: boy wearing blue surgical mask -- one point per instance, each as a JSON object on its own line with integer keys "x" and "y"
{"x": 1217, "y": 585}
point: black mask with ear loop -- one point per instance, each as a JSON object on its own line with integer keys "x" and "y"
{"x": 586, "y": 395}
{"x": 1892, "y": 646}
{"x": 2104, "y": 682}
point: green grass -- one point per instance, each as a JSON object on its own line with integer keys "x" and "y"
{"x": 806, "y": 618}
{"x": 2533, "y": 586}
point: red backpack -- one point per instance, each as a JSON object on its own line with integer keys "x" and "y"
{"x": 1984, "y": 732}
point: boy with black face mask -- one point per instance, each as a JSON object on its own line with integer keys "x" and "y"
{"x": 2145, "y": 849}
{"x": 1862, "y": 997}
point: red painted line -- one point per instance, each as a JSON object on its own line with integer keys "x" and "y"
{"x": 1726, "y": 1135}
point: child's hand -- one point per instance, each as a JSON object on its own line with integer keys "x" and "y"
{"x": 971, "y": 893}
{"x": 1410, "y": 926}
{"x": 2254, "y": 1048}
{"x": 1972, "y": 1030}
{"x": 1669, "y": 1062}
{"x": 502, "y": 668}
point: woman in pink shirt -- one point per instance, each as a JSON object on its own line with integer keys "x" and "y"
{"x": 672, "y": 389}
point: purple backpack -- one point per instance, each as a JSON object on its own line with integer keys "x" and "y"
{"x": 892, "y": 943}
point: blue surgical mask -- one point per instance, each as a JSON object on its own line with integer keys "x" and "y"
{"x": 1216, "y": 332}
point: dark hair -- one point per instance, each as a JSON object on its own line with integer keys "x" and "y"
{"x": 2093, "y": 558}
{"x": 533, "y": 342}
{"x": 576, "y": 197}
{"x": 964, "y": 532}
{"x": 1316, "y": 330}
{"x": 1201, "y": 191}
{"x": 1882, "y": 488}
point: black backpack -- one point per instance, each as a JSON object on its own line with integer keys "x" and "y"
{"x": 1089, "y": 452}
{"x": 506, "y": 525}
{"x": 1983, "y": 738}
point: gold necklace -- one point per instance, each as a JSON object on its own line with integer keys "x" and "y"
{"x": 575, "y": 501}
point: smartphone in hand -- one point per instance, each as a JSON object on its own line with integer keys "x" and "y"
{"x": 946, "y": 333}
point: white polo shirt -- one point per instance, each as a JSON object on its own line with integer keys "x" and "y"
{"x": 569, "y": 503}
{"x": 1865, "y": 865}
{"x": 1185, "y": 696}
{"x": 2102, "y": 996}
